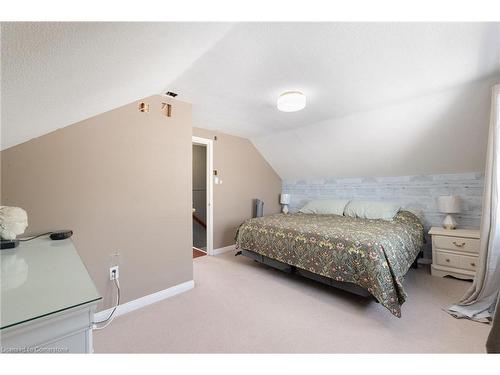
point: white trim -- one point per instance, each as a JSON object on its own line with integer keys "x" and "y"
{"x": 197, "y": 248}
{"x": 210, "y": 190}
{"x": 222, "y": 250}
{"x": 146, "y": 300}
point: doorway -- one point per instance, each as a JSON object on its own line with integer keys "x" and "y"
{"x": 202, "y": 196}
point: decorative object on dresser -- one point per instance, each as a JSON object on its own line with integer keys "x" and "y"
{"x": 285, "y": 201}
{"x": 13, "y": 222}
{"x": 454, "y": 252}
{"x": 449, "y": 204}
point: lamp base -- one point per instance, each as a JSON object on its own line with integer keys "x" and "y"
{"x": 449, "y": 222}
{"x": 285, "y": 209}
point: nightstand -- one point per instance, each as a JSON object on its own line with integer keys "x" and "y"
{"x": 454, "y": 252}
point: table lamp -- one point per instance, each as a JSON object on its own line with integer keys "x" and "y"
{"x": 285, "y": 201}
{"x": 449, "y": 204}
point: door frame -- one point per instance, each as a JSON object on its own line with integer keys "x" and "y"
{"x": 210, "y": 188}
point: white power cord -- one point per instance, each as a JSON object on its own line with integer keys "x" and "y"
{"x": 112, "y": 315}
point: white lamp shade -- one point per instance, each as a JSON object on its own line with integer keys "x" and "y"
{"x": 291, "y": 101}
{"x": 449, "y": 204}
{"x": 285, "y": 198}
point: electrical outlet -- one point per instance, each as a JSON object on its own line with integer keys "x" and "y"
{"x": 114, "y": 272}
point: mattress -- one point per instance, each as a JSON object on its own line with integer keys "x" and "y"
{"x": 374, "y": 254}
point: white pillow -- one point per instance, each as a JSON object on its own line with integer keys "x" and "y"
{"x": 326, "y": 206}
{"x": 372, "y": 209}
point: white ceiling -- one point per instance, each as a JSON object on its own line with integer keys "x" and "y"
{"x": 343, "y": 68}
{"x": 55, "y": 74}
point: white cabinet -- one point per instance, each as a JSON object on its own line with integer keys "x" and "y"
{"x": 69, "y": 331}
{"x": 48, "y": 299}
{"x": 454, "y": 252}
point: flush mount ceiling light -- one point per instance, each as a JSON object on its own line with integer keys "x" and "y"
{"x": 291, "y": 101}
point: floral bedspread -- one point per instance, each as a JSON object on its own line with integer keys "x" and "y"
{"x": 374, "y": 254}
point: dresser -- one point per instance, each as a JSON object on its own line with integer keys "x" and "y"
{"x": 48, "y": 299}
{"x": 454, "y": 252}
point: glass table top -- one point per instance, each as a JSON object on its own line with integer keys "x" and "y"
{"x": 42, "y": 277}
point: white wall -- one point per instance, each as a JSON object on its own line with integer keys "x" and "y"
{"x": 441, "y": 133}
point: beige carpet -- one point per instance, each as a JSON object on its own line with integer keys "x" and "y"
{"x": 240, "y": 306}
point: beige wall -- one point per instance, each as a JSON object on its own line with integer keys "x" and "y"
{"x": 122, "y": 182}
{"x": 245, "y": 175}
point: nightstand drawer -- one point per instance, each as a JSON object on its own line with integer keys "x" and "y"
{"x": 448, "y": 260}
{"x": 456, "y": 261}
{"x": 470, "y": 245}
{"x": 454, "y": 252}
{"x": 469, "y": 263}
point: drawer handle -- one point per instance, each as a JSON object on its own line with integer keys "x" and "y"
{"x": 473, "y": 264}
{"x": 447, "y": 260}
{"x": 459, "y": 244}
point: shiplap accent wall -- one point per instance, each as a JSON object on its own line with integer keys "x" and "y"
{"x": 415, "y": 193}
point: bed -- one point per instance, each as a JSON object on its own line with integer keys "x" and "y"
{"x": 361, "y": 254}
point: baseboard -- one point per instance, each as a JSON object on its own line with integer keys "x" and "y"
{"x": 146, "y": 300}
{"x": 222, "y": 250}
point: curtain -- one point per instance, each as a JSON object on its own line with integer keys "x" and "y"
{"x": 493, "y": 343}
{"x": 480, "y": 300}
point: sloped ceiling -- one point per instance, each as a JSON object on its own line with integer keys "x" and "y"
{"x": 343, "y": 68}
{"x": 383, "y": 98}
{"x": 55, "y": 74}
